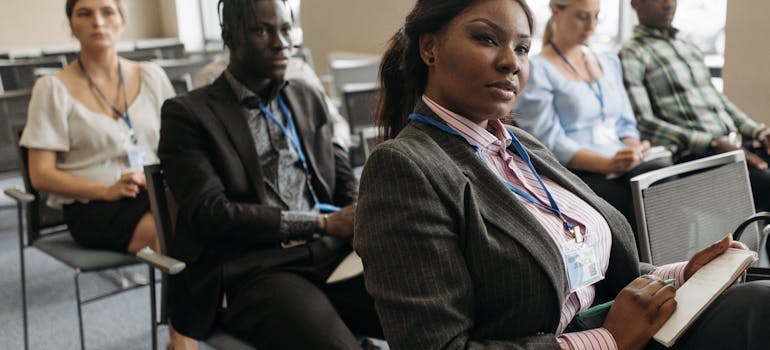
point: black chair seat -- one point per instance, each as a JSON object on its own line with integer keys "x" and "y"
{"x": 63, "y": 248}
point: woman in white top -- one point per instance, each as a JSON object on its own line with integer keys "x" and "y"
{"x": 79, "y": 134}
{"x": 576, "y": 105}
{"x": 91, "y": 128}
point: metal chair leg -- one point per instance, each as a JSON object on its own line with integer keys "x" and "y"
{"x": 23, "y": 277}
{"x": 153, "y": 321}
{"x": 80, "y": 311}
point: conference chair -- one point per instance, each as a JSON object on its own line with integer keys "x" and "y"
{"x": 352, "y": 70}
{"x": 709, "y": 199}
{"x": 46, "y": 230}
{"x": 164, "y": 212}
{"x": 177, "y": 67}
{"x": 18, "y": 74}
{"x": 13, "y": 111}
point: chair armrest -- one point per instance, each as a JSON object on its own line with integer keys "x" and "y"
{"x": 19, "y": 195}
{"x": 165, "y": 263}
{"x": 757, "y": 274}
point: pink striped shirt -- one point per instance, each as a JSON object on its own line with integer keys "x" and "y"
{"x": 493, "y": 143}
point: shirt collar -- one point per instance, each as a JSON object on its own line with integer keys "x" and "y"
{"x": 243, "y": 94}
{"x": 641, "y": 30}
{"x": 494, "y": 136}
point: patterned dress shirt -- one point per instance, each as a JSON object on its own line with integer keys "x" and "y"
{"x": 670, "y": 90}
{"x": 284, "y": 176}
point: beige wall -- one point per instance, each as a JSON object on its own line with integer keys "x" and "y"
{"x": 36, "y": 23}
{"x": 350, "y": 25}
{"x": 746, "y": 73}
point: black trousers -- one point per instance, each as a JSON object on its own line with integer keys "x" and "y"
{"x": 737, "y": 319}
{"x": 617, "y": 191}
{"x": 289, "y": 309}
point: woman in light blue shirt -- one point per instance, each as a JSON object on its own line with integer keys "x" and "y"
{"x": 575, "y": 103}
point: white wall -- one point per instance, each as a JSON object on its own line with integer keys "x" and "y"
{"x": 746, "y": 73}
{"x": 36, "y": 23}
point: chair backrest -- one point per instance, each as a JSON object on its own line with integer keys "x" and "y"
{"x": 182, "y": 84}
{"x": 41, "y": 219}
{"x": 164, "y": 212}
{"x": 19, "y": 74}
{"x": 141, "y": 55}
{"x": 13, "y": 111}
{"x": 707, "y": 200}
{"x": 162, "y": 205}
{"x": 178, "y": 67}
{"x": 369, "y": 139}
{"x": 352, "y": 70}
{"x": 359, "y": 103}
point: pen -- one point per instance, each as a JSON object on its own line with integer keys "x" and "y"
{"x": 606, "y": 306}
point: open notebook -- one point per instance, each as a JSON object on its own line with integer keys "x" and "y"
{"x": 695, "y": 295}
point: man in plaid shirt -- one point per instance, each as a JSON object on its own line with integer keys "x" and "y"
{"x": 675, "y": 103}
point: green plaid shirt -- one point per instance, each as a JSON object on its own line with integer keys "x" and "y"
{"x": 671, "y": 93}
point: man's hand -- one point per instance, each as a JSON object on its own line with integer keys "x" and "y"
{"x": 640, "y": 309}
{"x": 754, "y": 161}
{"x": 339, "y": 224}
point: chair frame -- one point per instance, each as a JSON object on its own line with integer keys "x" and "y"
{"x": 45, "y": 235}
{"x": 644, "y": 181}
{"x": 161, "y": 204}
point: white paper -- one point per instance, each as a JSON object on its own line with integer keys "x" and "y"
{"x": 350, "y": 267}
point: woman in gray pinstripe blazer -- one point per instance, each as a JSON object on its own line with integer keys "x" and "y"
{"x": 454, "y": 257}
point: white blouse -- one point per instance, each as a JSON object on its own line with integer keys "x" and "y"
{"x": 93, "y": 145}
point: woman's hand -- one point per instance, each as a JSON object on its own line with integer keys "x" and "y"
{"x": 128, "y": 185}
{"x": 623, "y": 161}
{"x": 640, "y": 309}
{"x": 704, "y": 256}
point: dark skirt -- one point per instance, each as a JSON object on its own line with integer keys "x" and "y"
{"x": 106, "y": 225}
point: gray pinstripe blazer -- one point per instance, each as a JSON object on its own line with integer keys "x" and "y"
{"x": 451, "y": 257}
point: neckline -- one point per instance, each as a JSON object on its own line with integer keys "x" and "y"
{"x": 81, "y": 104}
{"x": 596, "y": 79}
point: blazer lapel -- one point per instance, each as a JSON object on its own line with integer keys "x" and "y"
{"x": 499, "y": 206}
{"x": 230, "y": 113}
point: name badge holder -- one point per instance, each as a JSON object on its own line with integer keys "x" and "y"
{"x": 580, "y": 259}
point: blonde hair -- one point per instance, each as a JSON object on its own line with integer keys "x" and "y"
{"x": 561, "y": 5}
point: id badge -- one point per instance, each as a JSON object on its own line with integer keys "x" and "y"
{"x": 135, "y": 160}
{"x": 604, "y": 133}
{"x": 582, "y": 266}
{"x": 134, "y": 153}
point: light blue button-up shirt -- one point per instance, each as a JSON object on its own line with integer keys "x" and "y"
{"x": 566, "y": 115}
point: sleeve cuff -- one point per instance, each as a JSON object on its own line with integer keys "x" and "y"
{"x": 671, "y": 271}
{"x": 297, "y": 225}
{"x": 598, "y": 339}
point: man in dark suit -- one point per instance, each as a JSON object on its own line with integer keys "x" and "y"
{"x": 250, "y": 161}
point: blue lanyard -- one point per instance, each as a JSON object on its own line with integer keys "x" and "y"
{"x": 293, "y": 137}
{"x": 598, "y": 92}
{"x": 553, "y": 208}
{"x": 124, "y": 116}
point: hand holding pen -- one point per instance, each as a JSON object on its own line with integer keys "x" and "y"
{"x": 640, "y": 310}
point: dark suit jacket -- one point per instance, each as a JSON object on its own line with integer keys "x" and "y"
{"x": 451, "y": 256}
{"x": 211, "y": 165}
